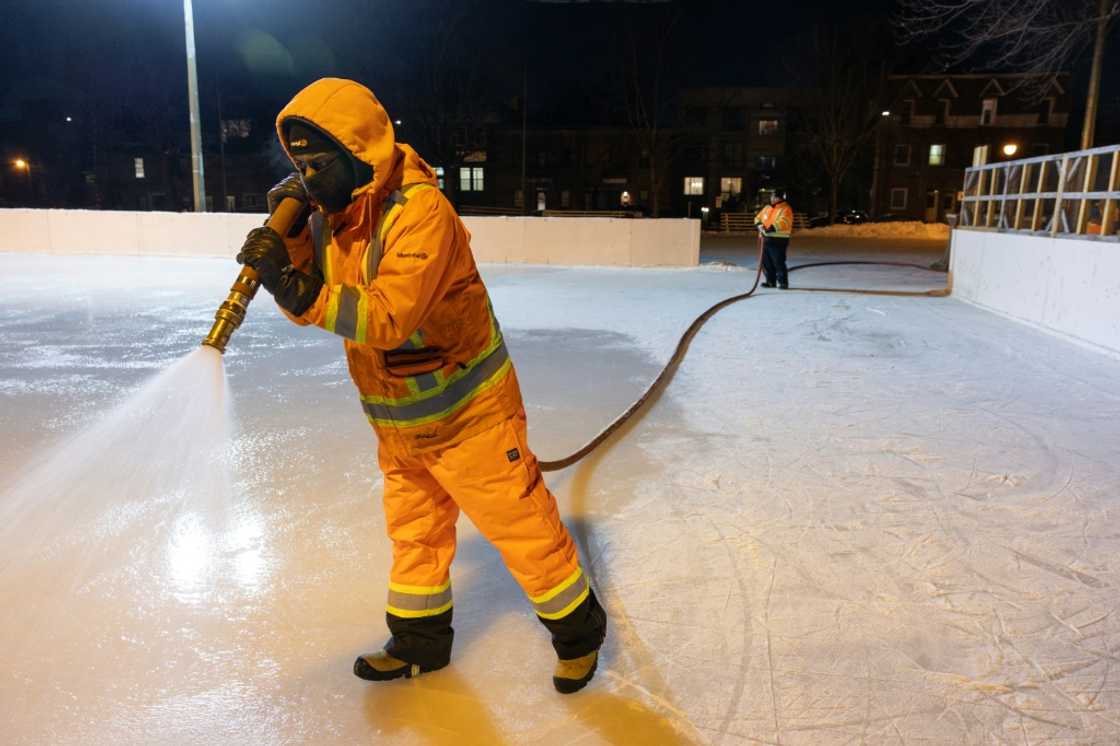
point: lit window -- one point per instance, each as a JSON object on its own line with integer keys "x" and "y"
{"x": 731, "y": 185}
{"x": 439, "y": 175}
{"x": 988, "y": 113}
{"x": 937, "y": 155}
{"x": 767, "y": 162}
{"x": 471, "y": 179}
{"x": 138, "y": 167}
{"x": 694, "y": 186}
{"x": 902, "y": 155}
{"x": 767, "y": 126}
{"x": 898, "y": 198}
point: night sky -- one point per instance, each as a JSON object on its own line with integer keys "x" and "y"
{"x": 134, "y": 49}
{"x": 256, "y": 54}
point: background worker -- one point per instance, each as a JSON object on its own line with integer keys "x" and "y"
{"x": 775, "y": 223}
{"x": 384, "y": 262}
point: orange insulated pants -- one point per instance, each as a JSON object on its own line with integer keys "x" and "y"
{"x": 494, "y": 478}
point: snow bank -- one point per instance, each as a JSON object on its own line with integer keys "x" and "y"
{"x": 896, "y": 229}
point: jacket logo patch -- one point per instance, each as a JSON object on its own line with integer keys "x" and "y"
{"x": 427, "y": 435}
{"x": 513, "y": 455}
{"x": 412, "y": 255}
{"x": 300, "y": 143}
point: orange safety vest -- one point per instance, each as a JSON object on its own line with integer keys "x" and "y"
{"x": 776, "y": 220}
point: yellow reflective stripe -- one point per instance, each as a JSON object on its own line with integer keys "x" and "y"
{"x": 567, "y": 609}
{"x": 564, "y": 598}
{"x": 333, "y": 295}
{"x": 397, "y": 208}
{"x": 419, "y": 589}
{"x": 415, "y": 342}
{"x": 415, "y": 601}
{"x": 423, "y": 395}
{"x": 454, "y": 407}
{"x": 363, "y": 317}
{"x": 414, "y": 614}
{"x": 390, "y": 218}
{"x": 565, "y": 584}
{"x": 413, "y": 387}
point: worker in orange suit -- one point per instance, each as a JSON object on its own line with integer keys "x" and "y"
{"x": 383, "y": 261}
{"x": 775, "y": 223}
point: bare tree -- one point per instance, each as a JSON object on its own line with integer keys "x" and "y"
{"x": 1038, "y": 37}
{"x": 436, "y": 78}
{"x": 647, "y": 92}
{"x": 841, "y": 81}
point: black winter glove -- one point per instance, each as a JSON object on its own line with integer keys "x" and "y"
{"x": 265, "y": 252}
{"x": 297, "y": 291}
{"x": 291, "y": 187}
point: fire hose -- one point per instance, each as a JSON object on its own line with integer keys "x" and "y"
{"x": 231, "y": 314}
{"x": 666, "y": 375}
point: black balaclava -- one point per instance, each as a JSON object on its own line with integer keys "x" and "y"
{"x": 339, "y": 174}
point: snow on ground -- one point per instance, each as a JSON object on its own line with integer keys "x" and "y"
{"x": 892, "y": 230}
{"x": 850, "y": 519}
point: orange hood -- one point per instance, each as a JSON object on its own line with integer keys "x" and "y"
{"x": 350, "y": 113}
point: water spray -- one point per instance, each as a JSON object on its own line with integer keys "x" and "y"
{"x": 231, "y": 313}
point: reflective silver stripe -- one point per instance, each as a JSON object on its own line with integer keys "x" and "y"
{"x": 346, "y": 324}
{"x": 426, "y": 381}
{"x": 373, "y": 254}
{"x": 455, "y": 392}
{"x": 419, "y": 602}
{"x": 560, "y": 601}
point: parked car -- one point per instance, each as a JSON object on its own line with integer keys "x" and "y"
{"x": 845, "y": 217}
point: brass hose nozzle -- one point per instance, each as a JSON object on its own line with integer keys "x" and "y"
{"x": 231, "y": 313}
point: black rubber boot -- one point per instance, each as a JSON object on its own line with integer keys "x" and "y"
{"x": 381, "y": 666}
{"x": 573, "y": 675}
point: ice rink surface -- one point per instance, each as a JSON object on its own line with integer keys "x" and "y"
{"x": 851, "y": 519}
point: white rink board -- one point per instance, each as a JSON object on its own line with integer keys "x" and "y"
{"x": 1065, "y": 285}
{"x": 611, "y": 242}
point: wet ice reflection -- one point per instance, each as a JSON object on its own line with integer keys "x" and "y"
{"x": 849, "y": 520}
{"x": 190, "y": 553}
{"x": 245, "y": 545}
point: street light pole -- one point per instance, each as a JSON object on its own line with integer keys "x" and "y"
{"x": 196, "y": 130}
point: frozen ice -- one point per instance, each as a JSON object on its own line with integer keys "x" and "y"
{"x": 850, "y": 519}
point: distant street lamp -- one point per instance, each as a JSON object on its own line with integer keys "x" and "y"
{"x": 22, "y": 164}
{"x": 1010, "y": 149}
{"x": 196, "y": 129}
{"x": 885, "y": 113}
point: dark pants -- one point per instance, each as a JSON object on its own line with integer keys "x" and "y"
{"x": 426, "y": 641}
{"x": 774, "y": 260}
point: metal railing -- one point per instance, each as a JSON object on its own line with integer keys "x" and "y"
{"x": 743, "y": 222}
{"x": 1068, "y": 194}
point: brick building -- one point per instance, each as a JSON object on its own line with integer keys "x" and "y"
{"x": 937, "y": 121}
{"x": 728, "y": 144}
